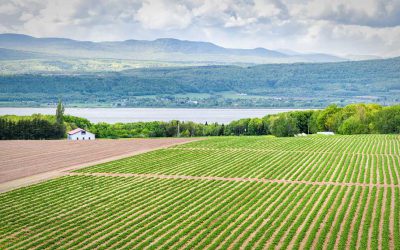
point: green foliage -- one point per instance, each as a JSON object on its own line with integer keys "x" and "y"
{"x": 326, "y": 119}
{"x": 352, "y": 126}
{"x": 37, "y": 126}
{"x": 60, "y": 117}
{"x": 30, "y": 129}
{"x": 60, "y": 112}
{"x": 257, "y": 126}
{"x": 77, "y": 122}
{"x": 352, "y": 119}
{"x": 296, "y": 85}
{"x": 239, "y": 127}
{"x": 303, "y": 120}
{"x": 387, "y": 120}
{"x": 284, "y": 125}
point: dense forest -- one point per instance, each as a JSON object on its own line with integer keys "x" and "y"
{"x": 352, "y": 119}
{"x": 272, "y": 85}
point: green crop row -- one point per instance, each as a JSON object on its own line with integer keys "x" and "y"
{"x": 318, "y": 166}
{"x": 86, "y": 212}
{"x": 367, "y": 144}
{"x": 105, "y": 212}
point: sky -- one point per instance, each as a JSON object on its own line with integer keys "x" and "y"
{"x": 341, "y": 27}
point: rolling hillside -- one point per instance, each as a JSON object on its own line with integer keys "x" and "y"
{"x": 270, "y": 85}
{"x": 164, "y": 49}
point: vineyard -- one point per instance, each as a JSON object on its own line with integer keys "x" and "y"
{"x": 338, "y": 192}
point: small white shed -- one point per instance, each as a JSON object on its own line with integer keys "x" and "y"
{"x": 80, "y": 134}
{"x": 325, "y": 133}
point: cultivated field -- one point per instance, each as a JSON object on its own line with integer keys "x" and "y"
{"x": 338, "y": 192}
{"x": 20, "y": 159}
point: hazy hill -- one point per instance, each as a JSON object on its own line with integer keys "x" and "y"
{"x": 164, "y": 49}
{"x": 270, "y": 85}
{"x": 10, "y": 54}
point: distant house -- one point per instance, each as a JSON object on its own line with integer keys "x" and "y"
{"x": 325, "y": 133}
{"x": 80, "y": 134}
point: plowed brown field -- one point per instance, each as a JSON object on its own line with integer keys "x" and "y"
{"x": 19, "y": 159}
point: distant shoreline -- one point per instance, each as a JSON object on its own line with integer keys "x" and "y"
{"x": 96, "y": 107}
{"x": 125, "y": 115}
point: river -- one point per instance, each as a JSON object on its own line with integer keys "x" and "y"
{"x": 114, "y": 115}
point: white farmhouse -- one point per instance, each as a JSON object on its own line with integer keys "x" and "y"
{"x": 80, "y": 134}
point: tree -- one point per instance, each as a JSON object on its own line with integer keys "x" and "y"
{"x": 28, "y": 129}
{"x": 185, "y": 133}
{"x": 387, "y": 120}
{"x": 326, "y": 120}
{"x": 77, "y": 122}
{"x": 221, "y": 130}
{"x": 60, "y": 112}
{"x": 256, "y": 127}
{"x": 356, "y": 118}
{"x": 353, "y": 126}
{"x": 303, "y": 119}
{"x": 238, "y": 127}
{"x": 283, "y": 125}
{"x": 60, "y": 119}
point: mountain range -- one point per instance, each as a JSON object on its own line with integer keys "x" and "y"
{"x": 17, "y": 47}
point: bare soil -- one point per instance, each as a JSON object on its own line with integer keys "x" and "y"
{"x": 25, "y": 160}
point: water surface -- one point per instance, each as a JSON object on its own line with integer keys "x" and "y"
{"x": 114, "y": 115}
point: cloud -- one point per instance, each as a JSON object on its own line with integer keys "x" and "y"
{"x": 271, "y": 9}
{"x": 162, "y": 14}
{"x": 335, "y": 26}
{"x": 371, "y": 13}
{"x": 239, "y": 22}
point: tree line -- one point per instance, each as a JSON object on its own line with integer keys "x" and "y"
{"x": 351, "y": 119}
{"x": 36, "y": 127}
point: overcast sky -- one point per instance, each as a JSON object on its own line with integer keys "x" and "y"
{"x": 339, "y": 27}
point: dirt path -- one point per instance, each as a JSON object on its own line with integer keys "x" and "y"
{"x": 237, "y": 179}
{"x": 23, "y": 163}
{"x": 278, "y": 150}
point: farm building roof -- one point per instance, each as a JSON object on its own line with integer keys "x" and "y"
{"x": 77, "y": 130}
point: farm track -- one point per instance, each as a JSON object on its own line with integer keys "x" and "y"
{"x": 275, "y": 150}
{"x": 236, "y": 179}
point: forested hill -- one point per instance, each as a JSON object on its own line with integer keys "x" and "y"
{"x": 216, "y": 86}
{"x": 381, "y": 75}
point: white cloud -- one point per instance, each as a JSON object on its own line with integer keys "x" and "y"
{"x": 270, "y": 9}
{"x": 8, "y": 9}
{"x": 239, "y": 22}
{"x": 335, "y": 26}
{"x": 372, "y": 13}
{"x": 161, "y": 14}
